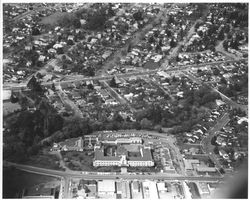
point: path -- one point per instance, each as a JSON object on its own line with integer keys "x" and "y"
{"x": 224, "y": 97}
{"x": 65, "y": 100}
{"x": 221, "y": 49}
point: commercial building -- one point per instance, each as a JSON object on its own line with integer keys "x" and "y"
{"x": 162, "y": 187}
{"x": 106, "y": 187}
{"x": 135, "y": 187}
{"x": 203, "y": 189}
{"x": 153, "y": 192}
{"x": 123, "y": 190}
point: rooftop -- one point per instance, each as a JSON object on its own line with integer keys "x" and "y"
{"x": 106, "y": 186}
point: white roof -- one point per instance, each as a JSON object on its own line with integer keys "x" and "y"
{"x": 161, "y": 186}
{"x": 106, "y": 186}
{"x": 206, "y": 169}
{"x": 6, "y": 94}
{"x": 242, "y": 119}
{"x": 164, "y": 74}
{"x": 153, "y": 191}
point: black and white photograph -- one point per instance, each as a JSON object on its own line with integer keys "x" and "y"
{"x": 124, "y": 100}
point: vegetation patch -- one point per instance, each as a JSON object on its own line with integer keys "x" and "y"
{"x": 53, "y": 19}
{"x": 81, "y": 161}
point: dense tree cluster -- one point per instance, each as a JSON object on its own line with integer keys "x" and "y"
{"x": 238, "y": 85}
{"x": 28, "y": 129}
{"x": 95, "y": 18}
{"x": 34, "y": 85}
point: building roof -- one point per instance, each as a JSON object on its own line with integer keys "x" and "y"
{"x": 99, "y": 155}
{"x": 119, "y": 187}
{"x": 206, "y": 169}
{"x": 106, "y": 186}
{"x": 135, "y": 185}
{"x": 144, "y": 154}
{"x": 189, "y": 163}
{"x": 203, "y": 188}
{"x": 73, "y": 142}
{"x": 40, "y": 191}
{"x": 153, "y": 190}
{"x": 6, "y": 94}
{"x": 161, "y": 186}
{"x": 92, "y": 189}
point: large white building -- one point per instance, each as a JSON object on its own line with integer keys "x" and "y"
{"x": 106, "y": 187}
{"x": 122, "y": 157}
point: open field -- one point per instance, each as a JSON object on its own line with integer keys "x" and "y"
{"x": 14, "y": 181}
{"x": 9, "y": 107}
{"x": 45, "y": 161}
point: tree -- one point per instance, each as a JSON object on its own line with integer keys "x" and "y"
{"x": 146, "y": 124}
{"x": 35, "y": 31}
{"x": 138, "y": 16}
{"x": 213, "y": 141}
{"x": 113, "y": 83}
{"x": 216, "y": 150}
{"x": 13, "y": 98}
{"x": 117, "y": 117}
{"x": 34, "y": 85}
{"x": 171, "y": 19}
{"x": 173, "y": 43}
{"x": 221, "y": 35}
{"x": 222, "y": 171}
{"x": 90, "y": 86}
{"x": 158, "y": 128}
{"x": 96, "y": 20}
{"x": 223, "y": 81}
{"x": 110, "y": 10}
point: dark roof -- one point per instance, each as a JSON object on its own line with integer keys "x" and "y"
{"x": 146, "y": 156}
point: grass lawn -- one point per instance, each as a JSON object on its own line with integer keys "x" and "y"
{"x": 9, "y": 107}
{"x": 44, "y": 161}
{"x": 79, "y": 160}
{"x": 52, "y": 19}
{"x": 151, "y": 65}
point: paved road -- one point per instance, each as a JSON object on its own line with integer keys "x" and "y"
{"x": 206, "y": 145}
{"x": 113, "y": 93}
{"x": 162, "y": 15}
{"x": 65, "y": 99}
{"x": 76, "y": 174}
{"x": 15, "y": 86}
{"x": 221, "y": 49}
{"x": 224, "y": 97}
{"x": 158, "y": 85}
